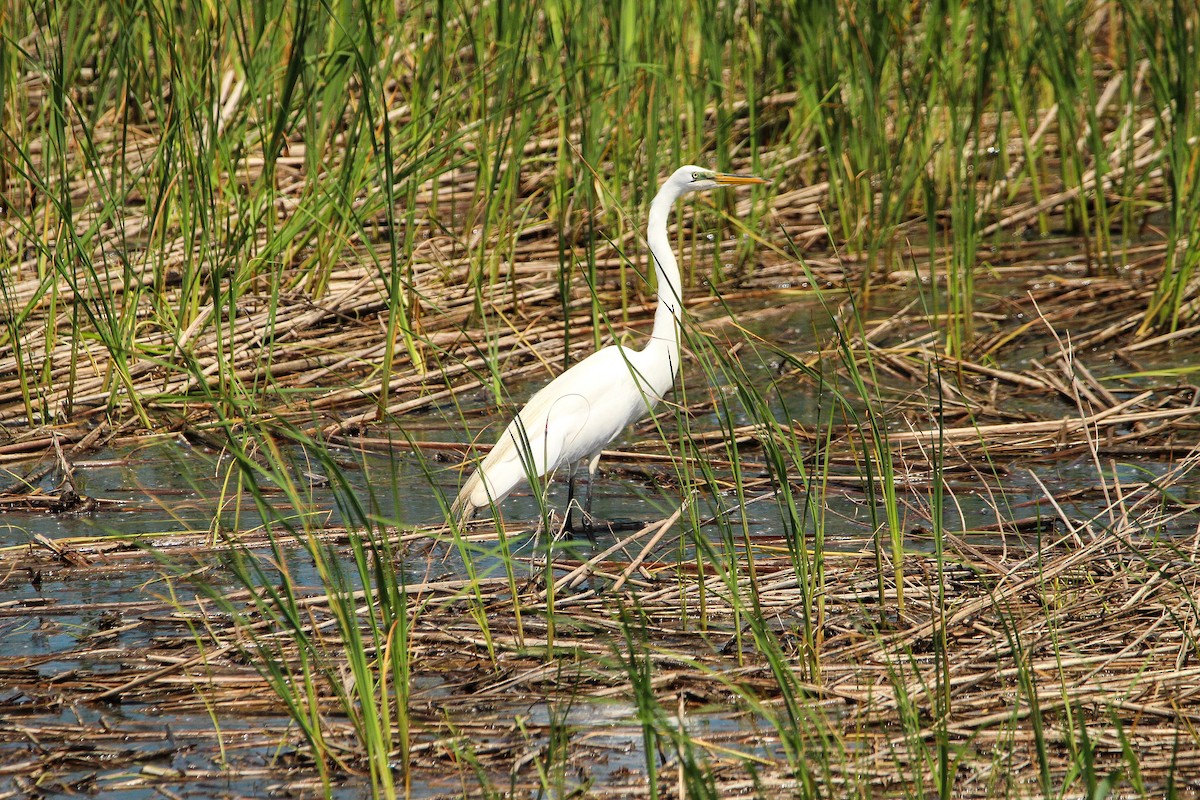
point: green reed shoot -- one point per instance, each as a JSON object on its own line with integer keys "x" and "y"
{"x": 163, "y": 169}
{"x": 1170, "y": 39}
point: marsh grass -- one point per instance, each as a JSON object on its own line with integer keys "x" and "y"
{"x": 183, "y": 197}
{"x": 1008, "y": 656}
{"x": 272, "y": 226}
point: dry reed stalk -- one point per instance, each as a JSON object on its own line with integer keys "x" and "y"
{"x": 1112, "y": 606}
{"x": 332, "y": 342}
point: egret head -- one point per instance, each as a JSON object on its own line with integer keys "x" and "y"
{"x": 694, "y": 179}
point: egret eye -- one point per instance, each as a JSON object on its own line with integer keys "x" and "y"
{"x": 572, "y": 418}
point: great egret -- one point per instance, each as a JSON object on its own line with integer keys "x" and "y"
{"x": 574, "y": 416}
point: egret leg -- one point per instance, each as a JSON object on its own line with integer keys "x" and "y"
{"x": 587, "y": 500}
{"x": 570, "y": 527}
{"x": 588, "y": 519}
{"x": 585, "y": 524}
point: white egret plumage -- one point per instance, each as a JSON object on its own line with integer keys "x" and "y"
{"x": 577, "y": 414}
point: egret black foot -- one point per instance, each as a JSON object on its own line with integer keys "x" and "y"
{"x": 611, "y": 526}
{"x": 586, "y": 526}
{"x": 591, "y": 525}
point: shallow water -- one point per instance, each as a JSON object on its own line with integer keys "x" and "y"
{"x": 169, "y": 486}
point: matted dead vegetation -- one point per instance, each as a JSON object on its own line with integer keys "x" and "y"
{"x": 216, "y": 227}
{"x": 1106, "y": 619}
{"x": 1104, "y": 616}
{"x": 311, "y": 353}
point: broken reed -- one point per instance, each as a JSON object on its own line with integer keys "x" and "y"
{"x": 349, "y": 666}
{"x": 170, "y": 171}
{"x": 181, "y": 181}
{"x": 1051, "y": 663}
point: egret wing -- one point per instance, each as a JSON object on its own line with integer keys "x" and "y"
{"x": 543, "y": 438}
{"x": 538, "y": 440}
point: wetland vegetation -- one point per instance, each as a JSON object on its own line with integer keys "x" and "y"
{"x": 919, "y": 519}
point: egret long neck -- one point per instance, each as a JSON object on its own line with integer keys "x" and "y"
{"x": 670, "y": 291}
